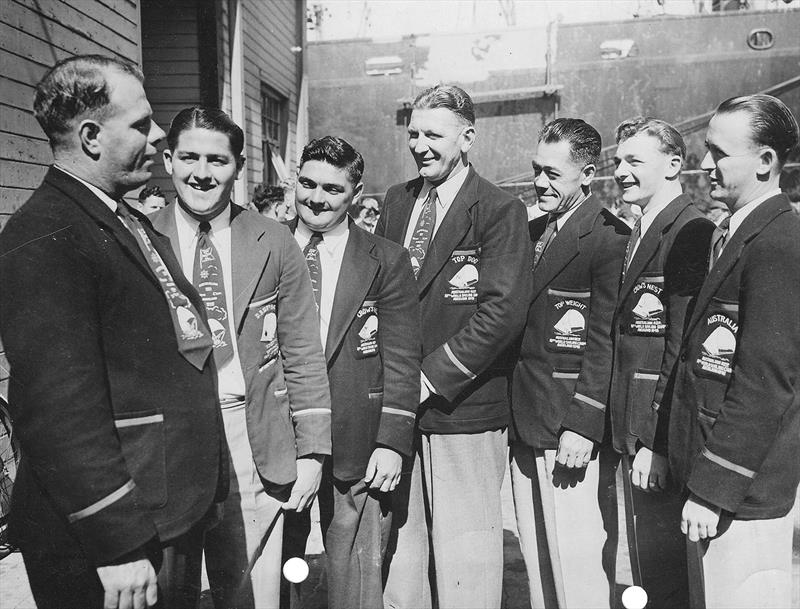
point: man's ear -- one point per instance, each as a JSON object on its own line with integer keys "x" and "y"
{"x": 468, "y": 138}
{"x": 587, "y": 174}
{"x": 89, "y": 135}
{"x": 674, "y": 167}
{"x": 767, "y": 163}
{"x": 239, "y": 165}
{"x": 168, "y": 160}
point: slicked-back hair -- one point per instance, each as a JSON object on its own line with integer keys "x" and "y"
{"x": 583, "y": 139}
{"x": 771, "y": 122}
{"x": 213, "y": 119}
{"x": 450, "y": 97}
{"x": 76, "y": 88}
{"x": 337, "y": 152}
{"x": 669, "y": 139}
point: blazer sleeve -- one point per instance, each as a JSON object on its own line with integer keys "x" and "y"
{"x": 51, "y": 327}
{"x": 304, "y": 366}
{"x": 503, "y": 297}
{"x": 401, "y": 349}
{"x": 585, "y": 413}
{"x": 762, "y": 393}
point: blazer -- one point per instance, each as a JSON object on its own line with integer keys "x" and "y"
{"x": 562, "y": 378}
{"x": 373, "y": 353}
{"x": 663, "y": 279}
{"x": 287, "y": 400}
{"x": 121, "y": 437}
{"x": 473, "y": 292}
{"x": 734, "y": 432}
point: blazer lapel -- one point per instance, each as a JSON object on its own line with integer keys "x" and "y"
{"x": 750, "y": 228}
{"x": 249, "y": 255}
{"x": 565, "y": 245}
{"x": 397, "y": 228}
{"x": 359, "y": 267}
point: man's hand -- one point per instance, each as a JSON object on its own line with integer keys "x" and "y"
{"x": 383, "y": 469}
{"x": 574, "y": 450}
{"x": 131, "y": 585}
{"x": 699, "y": 518}
{"x": 309, "y": 475}
{"x": 649, "y": 470}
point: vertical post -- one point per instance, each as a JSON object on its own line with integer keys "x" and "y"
{"x": 238, "y": 98}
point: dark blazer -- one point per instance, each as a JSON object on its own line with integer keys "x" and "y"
{"x": 287, "y": 397}
{"x": 664, "y": 276}
{"x": 468, "y": 330}
{"x": 735, "y": 424}
{"x": 121, "y": 437}
{"x": 562, "y": 378}
{"x": 373, "y": 368}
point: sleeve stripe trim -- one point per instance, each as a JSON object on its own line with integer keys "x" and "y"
{"x": 103, "y": 503}
{"x": 154, "y": 418}
{"x": 311, "y": 411}
{"x": 404, "y": 413}
{"x": 728, "y": 465}
{"x": 591, "y": 402}
{"x": 466, "y": 371}
{"x": 645, "y": 376}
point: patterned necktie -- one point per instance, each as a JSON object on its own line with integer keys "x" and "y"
{"x": 421, "y": 237}
{"x": 718, "y": 239}
{"x": 210, "y": 283}
{"x": 194, "y": 340}
{"x": 311, "y": 253}
{"x": 546, "y": 239}
{"x": 632, "y": 240}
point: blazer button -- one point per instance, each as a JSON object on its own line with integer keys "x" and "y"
{"x": 684, "y": 357}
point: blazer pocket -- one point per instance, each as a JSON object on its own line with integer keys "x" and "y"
{"x": 564, "y": 381}
{"x": 141, "y": 435}
{"x": 567, "y": 315}
{"x": 642, "y": 417}
{"x": 706, "y": 419}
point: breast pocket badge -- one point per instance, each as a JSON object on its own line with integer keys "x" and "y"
{"x": 367, "y": 325}
{"x": 568, "y": 313}
{"x": 648, "y": 313}
{"x": 266, "y": 311}
{"x": 718, "y": 346}
{"x": 463, "y": 270}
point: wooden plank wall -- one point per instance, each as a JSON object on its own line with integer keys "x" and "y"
{"x": 35, "y": 35}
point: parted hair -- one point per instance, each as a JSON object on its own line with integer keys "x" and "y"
{"x": 670, "y": 140}
{"x": 450, "y": 97}
{"x": 583, "y": 139}
{"x": 202, "y": 117}
{"x": 337, "y": 152}
{"x": 76, "y": 88}
{"x": 771, "y": 122}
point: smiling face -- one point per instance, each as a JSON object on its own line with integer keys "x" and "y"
{"x": 204, "y": 170}
{"x": 642, "y": 169}
{"x": 323, "y": 195}
{"x": 439, "y": 141}
{"x": 558, "y": 179}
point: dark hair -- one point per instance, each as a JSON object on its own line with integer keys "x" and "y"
{"x": 150, "y": 191}
{"x": 771, "y": 122}
{"x": 213, "y": 119}
{"x": 670, "y": 140}
{"x": 450, "y": 97}
{"x": 74, "y": 88}
{"x": 337, "y": 152}
{"x": 267, "y": 195}
{"x": 584, "y": 140}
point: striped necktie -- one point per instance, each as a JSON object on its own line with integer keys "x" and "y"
{"x": 546, "y": 239}
{"x": 311, "y": 253}
{"x": 718, "y": 239}
{"x": 632, "y": 240}
{"x": 423, "y": 232}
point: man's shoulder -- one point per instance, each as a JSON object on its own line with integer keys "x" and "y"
{"x": 402, "y": 190}
{"x": 46, "y": 211}
{"x": 610, "y": 226}
{"x": 380, "y": 246}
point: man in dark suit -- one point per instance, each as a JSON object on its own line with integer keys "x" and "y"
{"x": 561, "y": 470}
{"x": 369, "y": 321}
{"x": 271, "y": 377}
{"x": 734, "y": 434}
{"x": 112, "y": 390}
{"x": 665, "y": 264}
{"x": 470, "y": 251}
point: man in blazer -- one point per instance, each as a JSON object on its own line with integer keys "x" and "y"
{"x": 734, "y": 434}
{"x": 370, "y": 328}
{"x": 271, "y": 378}
{"x": 468, "y": 246}
{"x": 561, "y": 469}
{"x": 112, "y": 390}
{"x": 665, "y": 264}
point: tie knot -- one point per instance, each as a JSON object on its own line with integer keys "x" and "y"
{"x": 122, "y": 210}
{"x": 316, "y": 237}
{"x": 725, "y": 224}
{"x": 205, "y": 226}
{"x": 432, "y": 194}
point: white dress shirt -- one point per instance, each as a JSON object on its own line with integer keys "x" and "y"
{"x": 649, "y": 214}
{"x": 111, "y": 203}
{"x": 229, "y": 376}
{"x": 445, "y": 195}
{"x": 331, "y": 254}
{"x": 740, "y": 214}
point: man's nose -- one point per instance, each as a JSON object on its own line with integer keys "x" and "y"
{"x": 156, "y": 134}
{"x": 707, "y": 164}
{"x": 201, "y": 169}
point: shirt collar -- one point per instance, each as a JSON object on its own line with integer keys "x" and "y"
{"x": 191, "y": 225}
{"x": 110, "y": 203}
{"x": 650, "y": 213}
{"x": 332, "y": 240}
{"x": 740, "y": 214}
{"x": 447, "y": 191}
{"x": 561, "y": 220}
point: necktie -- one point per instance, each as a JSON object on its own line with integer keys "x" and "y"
{"x": 635, "y": 234}
{"x": 546, "y": 239}
{"x": 210, "y": 283}
{"x": 421, "y": 238}
{"x": 718, "y": 239}
{"x": 311, "y": 253}
{"x": 194, "y": 340}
